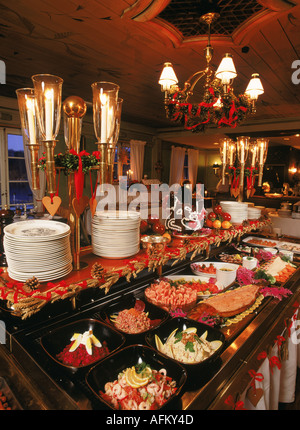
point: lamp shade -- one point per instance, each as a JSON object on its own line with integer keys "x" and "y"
{"x": 226, "y": 70}
{"x": 167, "y": 77}
{"x": 254, "y": 88}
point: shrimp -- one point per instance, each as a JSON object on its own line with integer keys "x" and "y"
{"x": 108, "y": 388}
{"x": 144, "y": 406}
{"x": 152, "y": 388}
{"x": 118, "y": 391}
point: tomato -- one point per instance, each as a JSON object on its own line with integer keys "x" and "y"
{"x": 152, "y": 219}
{"x": 209, "y": 223}
{"x": 143, "y": 226}
{"x": 212, "y": 216}
{"x": 226, "y": 216}
{"x": 158, "y": 228}
{"x": 217, "y": 224}
{"x": 218, "y": 209}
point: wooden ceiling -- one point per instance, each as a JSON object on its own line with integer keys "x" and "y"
{"x": 127, "y": 42}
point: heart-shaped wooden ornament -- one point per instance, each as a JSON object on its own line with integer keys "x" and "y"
{"x": 80, "y": 205}
{"x": 51, "y": 204}
{"x": 254, "y": 395}
{"x": 93, "y": 206}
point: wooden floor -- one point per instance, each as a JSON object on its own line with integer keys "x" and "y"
{"x": 295, "y": 406}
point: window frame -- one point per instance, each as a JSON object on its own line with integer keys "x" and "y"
{"x": 4, "y": 167}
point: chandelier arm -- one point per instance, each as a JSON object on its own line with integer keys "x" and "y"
{"x": 189, "y": 85}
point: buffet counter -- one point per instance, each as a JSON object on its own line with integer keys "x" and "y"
{"x": 38, "y": 383}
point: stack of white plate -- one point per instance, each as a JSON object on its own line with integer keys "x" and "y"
{"x": 39, "y": 248}
{"x": 237, "y": 210}
{"x": 254, "y": 213}
{"x": 116, "y": 234}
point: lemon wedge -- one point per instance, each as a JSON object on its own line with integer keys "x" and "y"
{"x": 76, "y": 342}
{"x": 215, "y": 344}
{"x": 158, "y": 343}
{"x": 129, "y": 378}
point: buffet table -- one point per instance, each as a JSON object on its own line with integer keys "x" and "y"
{"x": 265, "y": 333}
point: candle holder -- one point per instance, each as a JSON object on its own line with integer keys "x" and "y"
{"x": 262, "y": 145}
{"x": 47, "y": 89}
{"x": 224, "y": 152}
{"x": 74, "y": 110}
{"x": 242, "y": 153}
{"x": 105, "y": 101}
{"x": 113, "y": 141}
{"x": 26, "y": 103}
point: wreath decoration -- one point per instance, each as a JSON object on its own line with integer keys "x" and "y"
{"x": 72, "y": 161}
{"x": 195, "y": 116}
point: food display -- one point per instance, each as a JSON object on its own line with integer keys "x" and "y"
{"x": 83, "y": 350}
{"x": 231, "y": 258}
{"x": 186, "y": 346}
{"x": 205, "y": 286}
{"x": 258, "y": 241}
{"x": 229, "y": 303}
{"x": 218, "y": 219}
{"x": 139, "y": 387}
{"x": 133, "y": 317}
{"x": 131, "y": 321}
{"x": 280, "y": 269}
{"x": 208, "y": 269}
{"x": 170, "y": 297}
{"x": 289, "y": 246}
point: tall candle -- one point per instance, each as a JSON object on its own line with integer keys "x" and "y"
{"x": 261, "y": 158}
{"x": 31, "y": 123}
{"x": 49, "y": 114}
{"x": 103, "y": 100}
{"x": 231, "y": 155}
{"x": 254, "y": 150}
{"x": 224, "y": 152}
{"x": 242, "y": 152}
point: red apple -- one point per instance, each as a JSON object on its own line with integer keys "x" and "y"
{"x": 144, "y": 226}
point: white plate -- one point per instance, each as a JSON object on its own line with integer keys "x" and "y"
{"x": 37, "y": 230}
{"x": 219, "y": 265}
{"x": 191, "y": 278}
{"x": 260, "y": 245}
{"x": 289, "y": 246}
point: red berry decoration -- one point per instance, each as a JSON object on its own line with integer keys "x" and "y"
{"x": 218, "y": 209}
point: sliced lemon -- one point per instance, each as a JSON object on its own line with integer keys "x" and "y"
{"x": 96, "y": 341}
{"x": 215, "y": 344}
{"x": 158, "y": 343}
{"x": 76, "y": 343}
{"x": 88, "y": 345}
{"x": 140, "y": 381}
{"x": 171, "y": 335}
{"x": 75, "y": 336}
{"x": 204, "y": 336}
{"x": 129, "y": 378}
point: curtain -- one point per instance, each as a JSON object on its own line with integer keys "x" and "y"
{"x": 137, "y": 150}
{"x": 37, "y": 194}
{"x": 176, "y": 165}
{"x": 193, "y": 155}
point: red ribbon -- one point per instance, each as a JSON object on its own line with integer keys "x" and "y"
{"x": 78, "y": 175}
{"x": 262, "y": 355}
{"x": 238, "y": 406}
{"x": 255, "y": 377}
{"x": 274, "y": 361}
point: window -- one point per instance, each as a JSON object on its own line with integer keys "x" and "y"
{"x": 15, "y": 188}
{"x": 122, "y": 161}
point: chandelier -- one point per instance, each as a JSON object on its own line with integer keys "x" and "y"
{"x": 219, "y": 105}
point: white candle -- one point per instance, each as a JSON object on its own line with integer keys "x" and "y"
{"x": 109, "y": 122}
{"x": 224, "y": 152}
{"x": 261, "y": 158}
{"x": 103, "y": 101}
{"x": 31, "y": 123}
{"x": 242, "y": 152}
{"x": 49, "y": 114}
{"x": 231, "y": 155}
{"x": 254, "y": 149}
